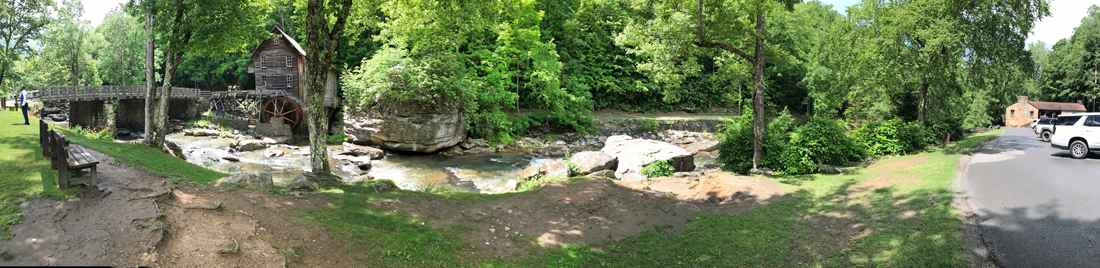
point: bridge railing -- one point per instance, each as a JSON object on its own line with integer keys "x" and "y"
{"x": 93, "y": 93}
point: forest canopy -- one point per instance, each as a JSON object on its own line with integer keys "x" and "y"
{"x": 512, "y": 64}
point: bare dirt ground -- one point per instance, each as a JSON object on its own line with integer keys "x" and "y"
{"x": 133, "y": 218}
{"x": 588, "y": 211}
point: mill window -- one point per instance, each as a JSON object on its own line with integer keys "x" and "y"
{"x": 264, "y": 80}
{"x": 289, "y": 81}
{"x": 276, "y": 41}
{"x": 288, "y": 60}
{"x": 263, "y": 61}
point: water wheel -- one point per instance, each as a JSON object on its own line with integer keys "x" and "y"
{"x": 283, "y": 107}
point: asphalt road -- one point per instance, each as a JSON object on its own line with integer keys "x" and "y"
{"x": 1037, "y": 207}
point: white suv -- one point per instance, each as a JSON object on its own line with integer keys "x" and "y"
{"x": 1077, "y": 133}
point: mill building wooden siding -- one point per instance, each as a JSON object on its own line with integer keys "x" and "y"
{"x": 276, "y": 70}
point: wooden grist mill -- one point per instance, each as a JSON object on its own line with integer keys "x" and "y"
{"x": 279, "y": 68}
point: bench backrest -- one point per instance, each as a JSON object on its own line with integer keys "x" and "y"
{"x": 60, "y": 145}
{"x": 44, "y": 138}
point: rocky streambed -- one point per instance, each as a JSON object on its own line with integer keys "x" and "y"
{"x": 473, "y": 165}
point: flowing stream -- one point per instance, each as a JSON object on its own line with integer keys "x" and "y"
{"x": 486, "y": 173}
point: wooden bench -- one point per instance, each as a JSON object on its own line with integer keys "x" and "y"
{"x": 67, "y": 157}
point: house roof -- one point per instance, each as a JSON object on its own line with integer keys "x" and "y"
{"x": 1058, "y": 106}
{"x": 297, "y": 47}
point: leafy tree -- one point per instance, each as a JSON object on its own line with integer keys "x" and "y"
{"x": 66, "y": 48}
{"x": 21, "y": 22}
{"x": 205, "y": 27}
{"x": 121, "y": 54}
{"x": 678, "y": 28}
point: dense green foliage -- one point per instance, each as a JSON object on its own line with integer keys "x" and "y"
{"x": 1067, "y": 72}
{"x": 793, "y": 147}
{"x": 658, "y": 169}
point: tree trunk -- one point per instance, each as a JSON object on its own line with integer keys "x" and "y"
{"x": 923, "y": 103}
{"x": 170, "y": 63}
{"x": 315, "y": 87}
{"x": 758, "y": 124}
{"x": 150, "y": 82}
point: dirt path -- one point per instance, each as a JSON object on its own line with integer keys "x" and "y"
{"x": 133, "y": 218}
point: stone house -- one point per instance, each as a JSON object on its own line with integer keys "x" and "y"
{"x": 1021, "y": 113}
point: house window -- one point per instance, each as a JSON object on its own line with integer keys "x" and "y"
{"x": 288, "y": 60}
{"x": 1011, "y": 112}
{"x": 276, "y": 41}
{"x": 289, "y": 81}
{"x": 264, "y": 79}
{"x": 1031, "y": 114}
{"x": 263, "y": 61}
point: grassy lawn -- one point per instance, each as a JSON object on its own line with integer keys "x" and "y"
{"x": 24, "y": 173}
{"x": 895, "y": 213}
{"x": 146, "y": 158}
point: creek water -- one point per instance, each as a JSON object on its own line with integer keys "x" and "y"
{"x": 482, "y": 173}
{"x": 486, "y": 173}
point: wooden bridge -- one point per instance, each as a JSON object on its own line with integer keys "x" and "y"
{"x": 97, "y": 93}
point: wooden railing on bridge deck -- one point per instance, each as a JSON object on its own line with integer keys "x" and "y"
{"x": 94, "y": 93}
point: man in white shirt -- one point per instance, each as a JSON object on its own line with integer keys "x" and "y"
{"x": 23, "y": 103}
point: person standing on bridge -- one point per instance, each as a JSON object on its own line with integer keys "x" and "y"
{"x": 23, "y": 103}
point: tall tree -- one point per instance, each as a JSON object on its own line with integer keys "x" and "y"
{"x": 325, "y": 25}
{"x": 678, "y": 28}
{"x": 67, "y": 45}
{"x": 21, "y": 21}
{"x": 120, "y": 56}
{"x": 207, "y": 27}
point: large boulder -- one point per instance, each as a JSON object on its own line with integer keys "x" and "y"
{"x": 260, "y": 181}
{"x": 318, "y": 178}
{"x": 391, "y": 124}
{"x": 529, "y": 173}
{"x": 592, "y": 161}
{"x": 360, "y": 150}
{"x": 633, "y": 154}
{"x": 554, "y": 168}
{"x": 200, "y": 132}
{"x": 174, "y": 149}
{"x": 251, "y": 145}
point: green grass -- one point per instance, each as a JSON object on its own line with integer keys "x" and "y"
{"x": 24, "y": 173}
{"x": 821, "y": 223}
{"x": 146, "y": 158}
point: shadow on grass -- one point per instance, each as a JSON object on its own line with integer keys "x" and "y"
{"x": 840, "y": 228}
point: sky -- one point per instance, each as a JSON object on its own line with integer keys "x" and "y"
{"x": 95, "y": 10}
{"x": 1065, "y": 15}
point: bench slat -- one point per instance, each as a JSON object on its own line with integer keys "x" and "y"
{"x": 78, "y": 157}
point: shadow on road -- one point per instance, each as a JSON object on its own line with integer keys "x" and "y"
{"x": 1040, "y": 238}
{"x": 1067, "y": 155}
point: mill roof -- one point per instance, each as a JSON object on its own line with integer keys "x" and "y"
{"x": 293, "y": 43}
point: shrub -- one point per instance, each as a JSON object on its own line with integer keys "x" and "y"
{"x": 735, "y": 148}
{"x": 336, "y": 139}
{"x": 824, "y": 141}
{"x": 106, "y": 134}
{"x": 658, "y": 169}
{"x": 893, "y": 137}
{"x": 649, "y": 124}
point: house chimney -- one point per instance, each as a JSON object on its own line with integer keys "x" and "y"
{"x": 1079, "y": 102}
{"x": 1021, "y": 99}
